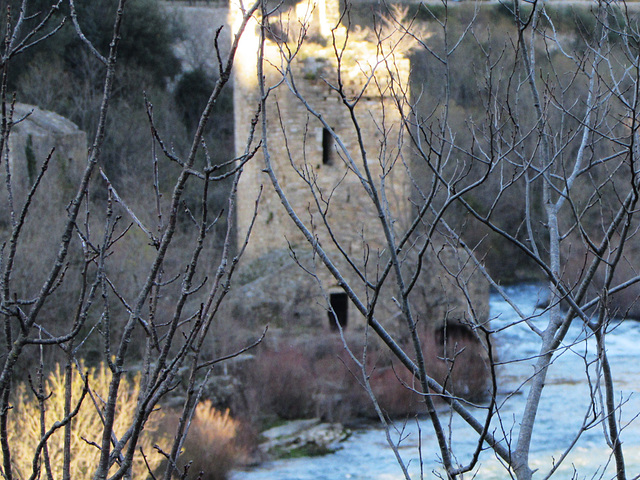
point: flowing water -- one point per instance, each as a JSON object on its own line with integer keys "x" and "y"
{"x": 564, "y": 407}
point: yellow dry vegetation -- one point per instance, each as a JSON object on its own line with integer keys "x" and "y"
{"x": 212, "y": 447}
{"x": 24, "y": 425}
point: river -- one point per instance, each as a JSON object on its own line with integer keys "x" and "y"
{"x": 565, "y": 402}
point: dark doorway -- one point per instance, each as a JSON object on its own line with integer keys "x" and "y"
{"x": 453, "y": 332}
{"x": 454, "y": 338}
{"x": 339, "y": 304}
{"x": 327, "y": 147}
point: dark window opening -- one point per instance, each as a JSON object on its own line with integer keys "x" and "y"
{"x": 453, "y": 332}
{"x": 454, "y": 337}
{"x": 339, "y": 306}
{"x": 327, "y": 147}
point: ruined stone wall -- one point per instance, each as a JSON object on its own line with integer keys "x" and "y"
{"x": 34, "y": 136}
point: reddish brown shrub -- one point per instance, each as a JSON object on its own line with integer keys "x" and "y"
{"x": 315, "y": 377}
{"x": 458, "y": 361}
{"x": 396, "y": 392}
{"x": 283, "y": 383}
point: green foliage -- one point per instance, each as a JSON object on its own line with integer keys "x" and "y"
{"x": 191, "y": 95}
{"x": 62, "y": 75}
{"x": 146, "y": 40}
{"x": 431, "y": 12}
{"x": 147, "y": 35}
{"x": 505, "y": 8}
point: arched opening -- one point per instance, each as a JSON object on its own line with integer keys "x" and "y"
{"x": 454, "y": 336}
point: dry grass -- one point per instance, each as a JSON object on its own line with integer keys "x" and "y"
{"x": 215, "y": 444}
{"x": 24, "y": 424}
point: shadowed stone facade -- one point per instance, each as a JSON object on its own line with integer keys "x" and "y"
{"x": 35, "y": 134}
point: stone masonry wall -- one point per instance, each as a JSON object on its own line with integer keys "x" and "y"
{"x": 298, "y": 149}
{"x": 296, "y": 146}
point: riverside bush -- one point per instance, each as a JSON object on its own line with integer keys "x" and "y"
{"x": 215, "y": 444}
{"x": 317, "y": 378}
{"x": 24, "y": 427}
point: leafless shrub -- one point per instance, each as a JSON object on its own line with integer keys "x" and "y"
{"x": 106, "y": 280}
{"x": 283, "y": 383}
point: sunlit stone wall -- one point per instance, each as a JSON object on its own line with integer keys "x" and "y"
{"x": 311, "y": 91}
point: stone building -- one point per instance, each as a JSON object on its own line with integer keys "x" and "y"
{"x": 320, "y": 155}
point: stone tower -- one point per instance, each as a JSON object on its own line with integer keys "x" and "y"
{"x": 315, "y": 145}
{"x": 301, "y": 141}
